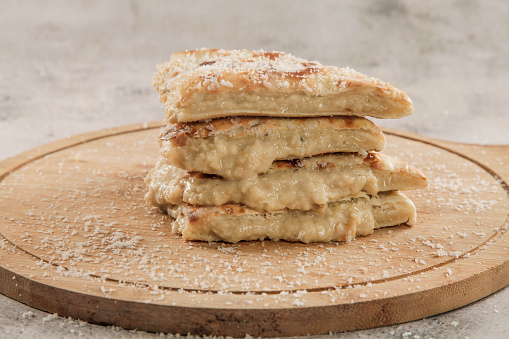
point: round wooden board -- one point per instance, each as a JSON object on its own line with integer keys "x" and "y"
{"x": 77, "y": 239}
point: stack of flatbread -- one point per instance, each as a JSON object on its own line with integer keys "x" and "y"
{"x": 270, "y": 146}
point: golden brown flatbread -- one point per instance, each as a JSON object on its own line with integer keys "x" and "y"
{"x": 302, "y": 184}
{"x": 244, "y": 147}
{"x": 340, "y": 221}
{"x": 210, "y": 83}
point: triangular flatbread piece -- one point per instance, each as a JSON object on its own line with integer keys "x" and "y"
{"x": 302, "y": 184}
{"x": 209, "y": 83}
{"x": 245, "y": 147}
{"x": 340, "y": 221}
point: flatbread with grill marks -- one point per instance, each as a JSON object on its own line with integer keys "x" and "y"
{"x": 244, "y": 147}
{"x": 210, "y": 83}
{"x": 302, "y": 184}
{"x": 340, "y": 221}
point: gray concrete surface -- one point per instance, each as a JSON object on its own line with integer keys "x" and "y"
{"x": 68, "y": 67}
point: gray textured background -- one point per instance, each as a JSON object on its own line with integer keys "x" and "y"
{"x": 68, "y": 67}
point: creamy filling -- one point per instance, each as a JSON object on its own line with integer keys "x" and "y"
{"x": 341, "y": 221}
{"x": 254, "y": 154}
{"x": 302, "y": 189}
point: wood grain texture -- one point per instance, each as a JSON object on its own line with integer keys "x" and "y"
{"x": 77, "y": 239}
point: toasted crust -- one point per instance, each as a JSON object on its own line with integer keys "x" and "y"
{"x": 301, "y": 184}
{"x": 244, "y": 147}
{"x": 209, "y": 83}
{"x": 340, "y": 221}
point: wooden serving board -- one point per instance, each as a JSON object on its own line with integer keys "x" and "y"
{"x": 77, "y": 239}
